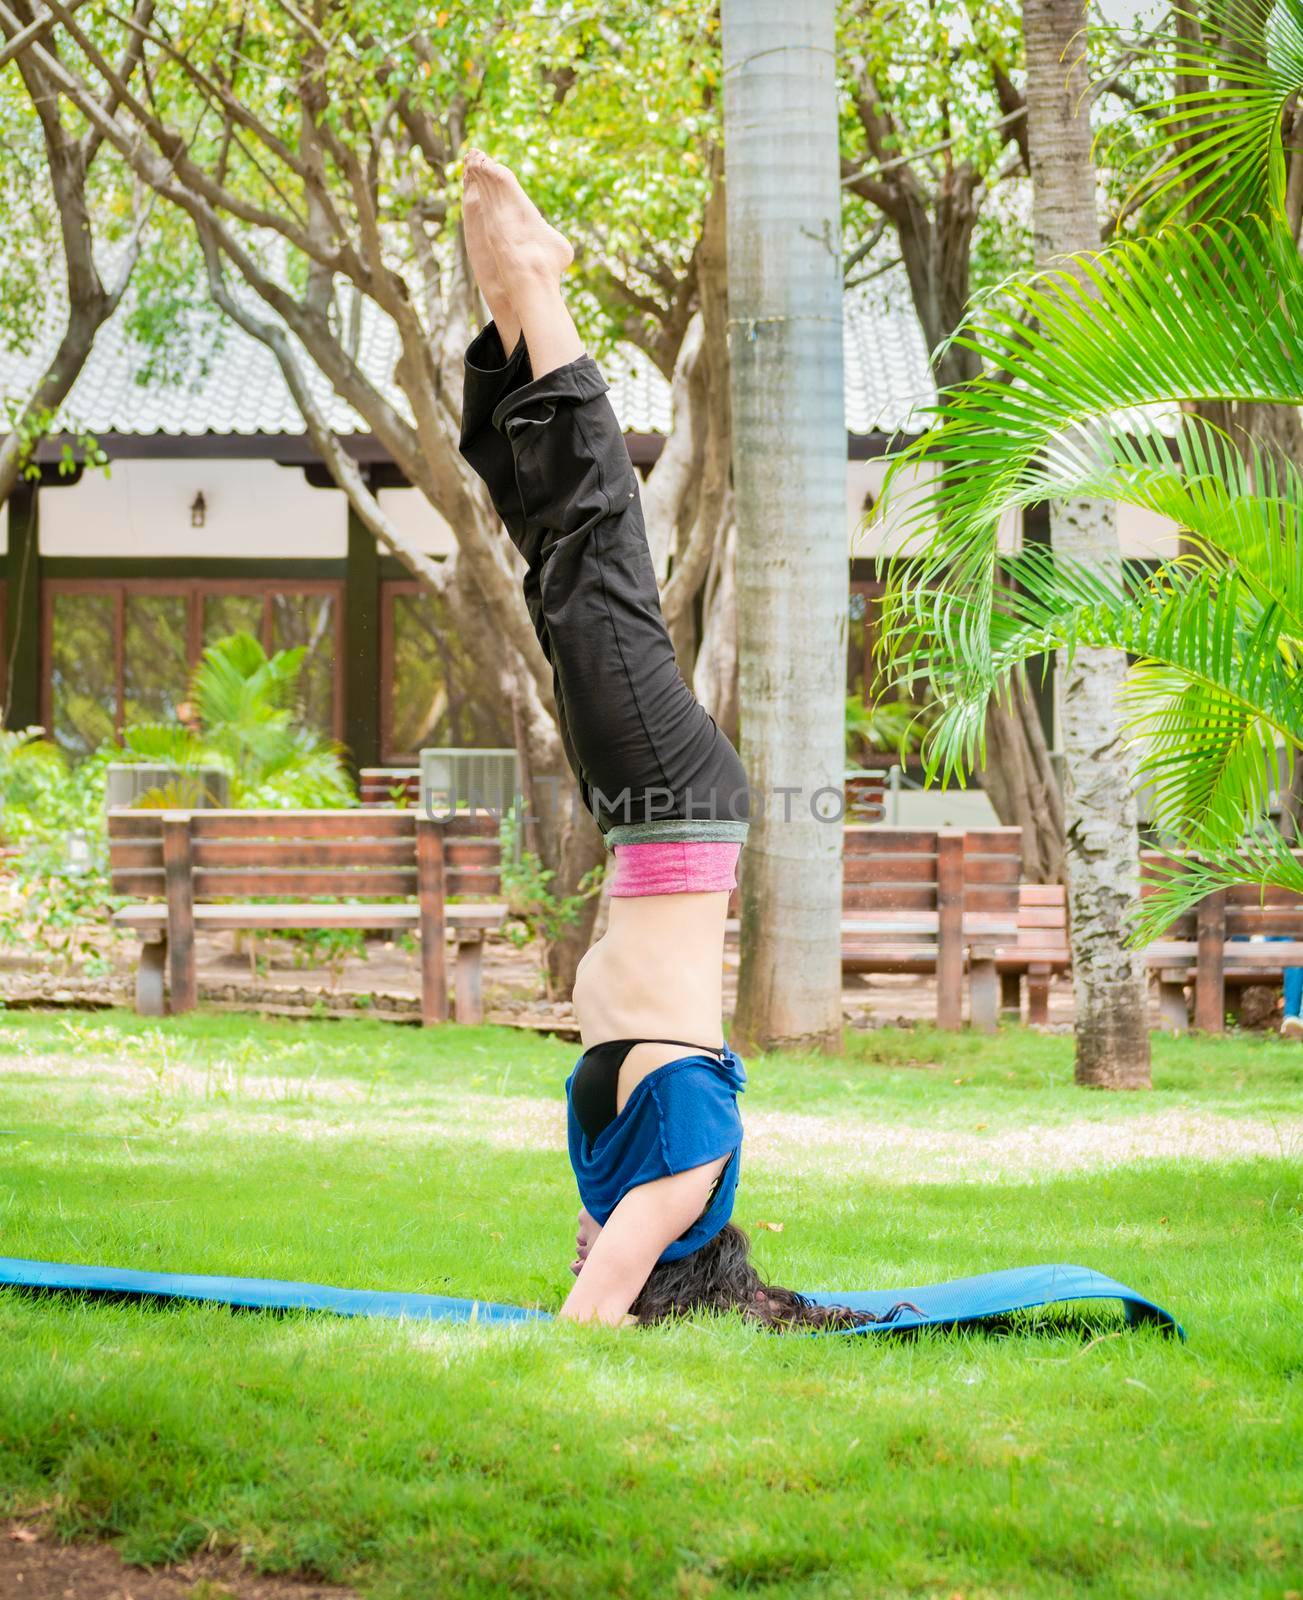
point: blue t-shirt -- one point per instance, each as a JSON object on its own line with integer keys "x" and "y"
{"x": 680, "y": 1116}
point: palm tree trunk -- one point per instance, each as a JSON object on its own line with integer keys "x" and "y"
{"x": 1099, "y": 801}
{"x": 789, "y": 467}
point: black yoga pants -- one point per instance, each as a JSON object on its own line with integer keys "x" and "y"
{"x": 650, "y": 760}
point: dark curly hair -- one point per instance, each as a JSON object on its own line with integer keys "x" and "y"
{"x": 721, "y": 1277}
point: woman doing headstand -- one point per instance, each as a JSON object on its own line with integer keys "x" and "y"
{"x": 654, "y": 1132}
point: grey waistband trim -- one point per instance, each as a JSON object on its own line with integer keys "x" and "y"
{"x": 700, "y": 831}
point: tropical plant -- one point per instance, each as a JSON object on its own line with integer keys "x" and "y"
{"x": 244, "y": 705}
{"x": 881, "y": 725}
{"x": 1085, "y": 367}
{"x": 55, "y": 893}
{"x": 31, "y": 767}
{"x": 538, "y": 911}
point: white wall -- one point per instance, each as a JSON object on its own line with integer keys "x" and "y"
{"x": 1141, "y": 533}
{"x": 416, "y": 517}
{"x": 254, "y": 509}
{"x": 889, "y": 531}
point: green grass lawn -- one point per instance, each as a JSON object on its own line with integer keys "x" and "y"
{"x": 1065, "y": 1456}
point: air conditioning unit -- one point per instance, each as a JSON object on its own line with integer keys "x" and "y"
{"x": 155, "y": 785}
{"x": 468, "y": 780}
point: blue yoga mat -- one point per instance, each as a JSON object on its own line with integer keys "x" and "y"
{"x": 963, "y": 1300}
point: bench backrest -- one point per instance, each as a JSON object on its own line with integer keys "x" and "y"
{"x": 896, "y": 872}
{"x": 1248, "y": 910}
{"x": 912, "y": 875}
{"x": 1043, "y": 918}
{"x": 358, "y": 854}
{"x": 389, "y": 786}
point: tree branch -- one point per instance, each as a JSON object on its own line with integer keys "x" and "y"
{"x": 851, "y": 174}
{"x": 132, "y": 55}
{"x": 35, "y": 29}
{"x": 341, "y": 466}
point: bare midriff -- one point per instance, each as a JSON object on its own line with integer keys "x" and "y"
{"x": 657, "y": 974}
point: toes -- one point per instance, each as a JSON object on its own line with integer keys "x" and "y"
{"x": 495, "y": 170}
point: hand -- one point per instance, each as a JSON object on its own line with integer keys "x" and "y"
{"x": 584, "y": 1240}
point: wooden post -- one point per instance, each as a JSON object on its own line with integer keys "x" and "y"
{"x": 430, "y": 898}
{"x": 150, "y": 998}
{"x": 950, "y": 928}
{"x": 20, "y": 698}
{"x": 1038, "y": 993}
{"x": 362, "y": 632}
{"x": 1210, "y": 982}
{"x": 983, "y": 991}
{"x": 180, "y": 910}
{"x": 469, "y": 1006}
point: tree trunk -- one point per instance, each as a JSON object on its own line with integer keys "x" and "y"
{"x": 1099, "y": 802}
{"x": 789, "y": 467}
{"x": 714, "y": 679}
{"x": 1019, "y": 777}
{"x": 561, "y": 831}
{"x": 1020, "y": 782}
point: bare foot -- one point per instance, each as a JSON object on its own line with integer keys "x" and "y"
{"x": 524, "y": 243}
{"x": 484, "y": 261}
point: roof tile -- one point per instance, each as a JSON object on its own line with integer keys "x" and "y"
{"x": 240, "y": 389}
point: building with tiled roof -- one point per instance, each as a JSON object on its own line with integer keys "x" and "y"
{"x": 215, "y": 515}
{"x": 210, "y": 519}
{"x": 236, "y": 389}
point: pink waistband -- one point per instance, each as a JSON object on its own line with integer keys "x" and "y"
{"x": 679, "y": 866}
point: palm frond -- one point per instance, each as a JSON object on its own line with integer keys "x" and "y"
{"x": 1204, "y": 760}
{"x": 1216, "y": 149}
{"x": 166, "y": 743}
{"x": 1235, "y": 503}
{"x": 1192, "y": 312}
{"x": 1265, "y": 858}
{"x": 236, "y": 683}
{"x": 1216, "y": 689}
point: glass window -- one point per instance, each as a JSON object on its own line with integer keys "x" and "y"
{"x": 83, "y": 670}
{"x": 155, "y": 656}
{"x": 123, "y": 653}
{"x": 309, "y": 620}
{"x": 435, "y": 696}
{"x": 225, "y": 614}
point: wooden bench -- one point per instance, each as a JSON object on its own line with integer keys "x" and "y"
{"x": 1039, "y": 950}
{"x": 934, "y": 900}
{"x": 196, "y": 869}
{"x": 389, "y": 786}
{"x": 1208, "y": 949}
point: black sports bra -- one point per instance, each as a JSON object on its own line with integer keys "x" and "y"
{"x": 594, "y": 1090}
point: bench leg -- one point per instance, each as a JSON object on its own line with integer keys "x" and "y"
{"x": 469, "y": 999}
{"x": 1038, "y": 995}
{"x": 1171, "y": 1003}
{"x": 1011, "y": 994}
{"x": 150, "y": 1000}
{"x": 983, "y": 995}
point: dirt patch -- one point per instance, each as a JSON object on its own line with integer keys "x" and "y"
{"x": 33, "y": 1568}
{"x": 278, "y": 980}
